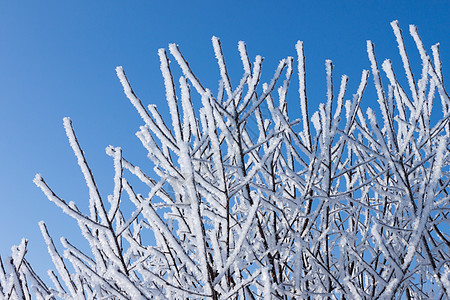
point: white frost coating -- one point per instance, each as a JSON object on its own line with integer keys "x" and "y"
{"x": 329, "y": 71}
{"x": 187, "y": 72}
{"x": 352, "y": 288}
{"x": 376, "y": 74}
{"x": 340, "y": 101}
{"x": 348, "y": 110}
{"x": 257, "y": 167}
{"x": 400, "y": 94}
{"x": 243, "y": 235}
{"x": 77, "y": 252}
{"x": 154, "y": 151}
{"x": 418, "y": 41}
{"x": 415, "y": 108}
{"x": 270, "y": 88}
{"x": 3, "y": 274}
{"x": 159, "y": 225}
{"x": 141, "y": 110}
{"x": 434, "y": 84}
{"x": 189, "y": 120}
{"x": 323, "y": 121}
{"x": 419, "y": 104}
{"x": 16, "y": 265}
{"x": 93, "y": 190}
{"x": 302, "y": 92}
{"x": 57, "y": 259}
{"x": 425, "y": 58}
{"x": 215, "y": 147}
{"x": 197, "y": 222}
{"x": 282, "y": 91}
{"x": 382, "y": 101}
{"x": 243, "y": 283}
{"x": 218, "y": 258}
{"x": 244, "y": 57}
{"x": 266, "y": 284}
{"x": 329, "y": 106}
{"x": 55, "y": 281}
{"x": 161, "y": 124}
{"x": 315, "y": 119}
{"x": 115, "y": 199}
{"x": 390, "y": 289}
{"x": 93, "y": 275}
{"x": 379, "y": 242}
{"x": 126, "y": 284}
{"x": 405, "y": 60}
{"x": 18, "y": 253}
{"x": 131, "y": 96}
{"x": 253, "y": 80}
{"x": 108, "y": 247}
{"x": 222, "y": 66}
{"x": 359, "y": 93}
{"x": 445, "y": 278}
{"x": 419, "y": 224}
{"x": 250, "y": 215}
{"x": 39, "y": 181}
{"x": 170, "y": 93}
{"x": 437, "y": 60}
{"x": 14, "y": 280}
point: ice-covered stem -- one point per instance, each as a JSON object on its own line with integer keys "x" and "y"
{"x": 168, "y": 139}
{"x": 158, "y": 225}
{"x": 190, "y": 122}
{"x": 95, "y": 198}
{"x": 437, "y": 61}
{"x": 39, "y": 181}
{"x": 194, "y": 200}
{"x": 170, "y": 94}
{"x": 217, "y": 158}
{"x": 94, "y": 276}
{"x": 173, "y": 48}
{"x": 14, "y": 288}
{"x": 247, "y": 113}
{"x": 240, "y": 137}
{"x": 445, "y": 100}
{"x": 118, "y": 172}
{"x": 244, "y": 57}
{"x": 330, "y": 96}
{"x": 405, "y": 59}
{"x": 58, "y": 260}
{"x": 243, "y": 235}
{"x": 306, "y": 134}
{"x": 402, "y": 99}
{"x": 223, "y": 68}
{"x": 106, "y": 232}
{"x": 382, "y": 100}
{"x": 16, "y": 277}
{"x": 95, "y": 203}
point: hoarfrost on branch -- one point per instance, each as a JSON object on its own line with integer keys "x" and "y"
{"x": 250, "y": 205}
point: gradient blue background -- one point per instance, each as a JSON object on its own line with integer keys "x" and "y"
{"x": 57, "y": 59}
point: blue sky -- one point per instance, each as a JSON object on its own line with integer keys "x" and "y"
{"x": 58, "y": 58}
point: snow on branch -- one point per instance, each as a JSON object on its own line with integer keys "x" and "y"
{"x": 238, "y": 209}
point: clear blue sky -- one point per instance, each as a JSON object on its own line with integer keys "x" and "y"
{"x": 57, "y": 59}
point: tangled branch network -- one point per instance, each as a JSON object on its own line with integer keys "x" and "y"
{"x": 342, "y": 204}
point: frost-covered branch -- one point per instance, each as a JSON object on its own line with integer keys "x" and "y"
{"x": 245, "y": 201}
